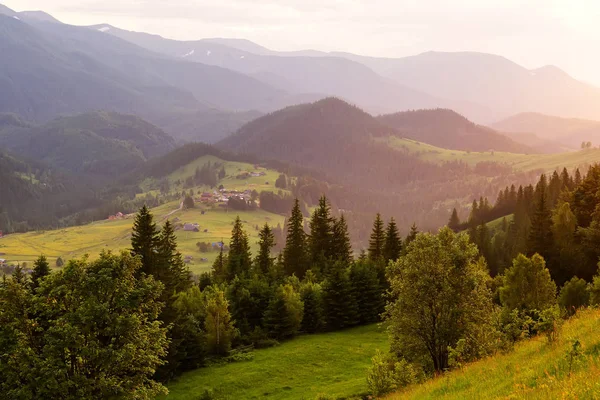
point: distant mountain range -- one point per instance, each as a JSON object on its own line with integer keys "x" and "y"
{"x": 569, "y": 132}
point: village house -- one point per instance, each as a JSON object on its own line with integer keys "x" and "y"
{"x": 191, "y": 227}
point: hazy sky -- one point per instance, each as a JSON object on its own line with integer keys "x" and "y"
{"x": 533, "y": 33}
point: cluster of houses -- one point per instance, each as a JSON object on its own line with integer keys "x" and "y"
{"x": 223, "y": 195}
{"x": 118, "y": 215}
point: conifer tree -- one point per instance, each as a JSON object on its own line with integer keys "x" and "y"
{"x": 219, "y": 267}
{"x": 239, "y": 260}
{"x": 540, "y": 238}
{"x": 41, "y": 269}
{"x": 341, "y": 247}
{"x": 412, "y": 235}
{"x": 144, "y": 240}
{"x": 377, "y": 240}
{"x": 283, "y": 316}
{"x": 338, "y": 298}
{"x": 295, "y": 254}
{"x": 321, "y": 233}
{"x": 454, "y": 222}
{"x": 312, "y": 297}
{"x": 19, "y": 276}
{"x": 393, "y": 243}
{"x": 173, "y": 272}
{"x": 264, "y": 261}
{"x": 368, "y": 293}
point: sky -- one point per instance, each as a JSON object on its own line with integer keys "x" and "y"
{"x": 533, "y": 33}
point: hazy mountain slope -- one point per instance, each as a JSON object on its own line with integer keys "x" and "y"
{"x": 493, "y": 81}
{"x": 447, "y": 129}
{"x": 97, "y": 143}
{"x": 538, "y": 144}
{"x": 567, "y": 131}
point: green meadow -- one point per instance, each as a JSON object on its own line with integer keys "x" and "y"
{"x": 534, "y": 370}
{"x": 519, "y": 162}
{"x": 330, "y": 363}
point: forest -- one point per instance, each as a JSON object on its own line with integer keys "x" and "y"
{"x": 447, "y": 298}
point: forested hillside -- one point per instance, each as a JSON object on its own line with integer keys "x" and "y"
{"x": 450, "y": 130}
{"x": 99, "y": 143}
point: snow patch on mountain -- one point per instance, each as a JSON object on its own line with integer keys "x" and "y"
{"x": 104, "y": 29}
{"x": 189, "y": 54}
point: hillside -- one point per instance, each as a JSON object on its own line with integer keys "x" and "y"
{"x": 450, "y": 130}
{"x": 75, "y": 241}
{"x": 567, "y": 131}
{"x": 534, "y": 370}
{"x": 100, "y": 143}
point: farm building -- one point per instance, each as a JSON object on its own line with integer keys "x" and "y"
{"x": 191, "y": 227}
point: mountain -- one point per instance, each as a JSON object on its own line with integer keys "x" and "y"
{"x": 97, "y": 143}
{"x": 306, "y": 73}
{"x": 492, "y": 81}
{"x": 450, "y": 130}
{"x": 566, "y": 131}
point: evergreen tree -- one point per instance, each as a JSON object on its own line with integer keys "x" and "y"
{"x": 171, "y": 269}
{"x": 144, "y": 240}
{"x": 219, "y": 267}
{"x": 540, "y": 238}
{"x": 264, "y": 261}
{"x": 239, "y": 260}
{"x": 368, "y": 294}
{"x": 218, "y": 325}
{"x": 321, "y": 233}
{"x": 377, "y": 240}
{"x": 295, "y": 255}
{"x": 338, "y": 298}
{"x": 412, "y": 235}
{"x": 19, "y": 276}
{"x": 393, "y": 243}
{"x": 454, "y": 222}
{"x": 341, "y": 249}
{"x": 313, "y": 319}
{"x": 283, "y": 317}
{"x": 41, "y": 269}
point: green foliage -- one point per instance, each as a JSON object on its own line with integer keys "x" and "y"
{"x": 67, "y": 354}
{"x": 218, "y": 325}
{"x": 368, "y": 294}
{"x": 144, "y": 239}
{"x": 392, "y": 247}
{"x": 454, "y": 222}
{"x": 341, "y": 249}
{"x": 281, "y": 182}
{"x": 377, "y": 240}
{"x": 321, "y": 233}
{"x": 387, "y": 374}
{"x": 295, "y": 253}
{"x": 264, "y": 262}
{"x": 550, "y": 323}
{"x": 239, "y": 260}
{"x": 41, "y": 269}
{"x": 441, "y": 295}
{"x": 283, "y": 317}
{"x": 59, "y": 262}
{"x": 527, "y": 285}
{"x": 574, "y": 295}
{"x": 188, "y": 202}
{"x": 338, "y": 298}
{"x": 313, "y": 319}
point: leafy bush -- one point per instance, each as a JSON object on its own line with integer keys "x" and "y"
{"x": 574, "y": 295}
{"x": 386, "y": 374}
{"x": 550, "y": 323}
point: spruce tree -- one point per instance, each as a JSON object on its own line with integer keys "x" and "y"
{"x": 454, "y": 222}
{"x": 173, "y": 272}
{"x": 412, "y": 235}
{"x": 295, "y": 255}
{"x": 368, "y": 294}
{"x": 239, "y": 262}
{"x": 283, "y": 316}
{"x": 264, "y": 261}
{"x": 377, "y": 240}
{"x": 540, "y": 238}
{"x": 313, "y": 320}
{"x": 341, "y": 248}
{"x": 19, "y": 276}
{"x": 338, "y": 298}
{"x": 144, "y": 240}
{"x": 41, "y": 269}
{"x": 321, "y": 233}
{"x": 393, "y": 243}
{"x": 219, "y": 267}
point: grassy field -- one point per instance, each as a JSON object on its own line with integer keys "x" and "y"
{"x": 521, "y": 162}
{"x": 332, "y": 363}
{"x": 114, "y": 235}
{"x": 535, "y": 370}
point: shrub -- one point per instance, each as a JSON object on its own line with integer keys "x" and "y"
{"x": 550, "y": 323}
{"x": 574, "y": 295}
{"x": 380, "y": 378}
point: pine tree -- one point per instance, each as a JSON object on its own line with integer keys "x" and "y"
{"x": 412, "y": 235}
{"x": 321, "y": 232}
{"x": 264, "y": 261}
{"x": 41, "y": 269}
{"x": 341, "y": 248}
{"x": 283, "y": 316}
{"x": 540, "y": 238}
{"x": 454, "y": 222}
{"x": 144, "y": 240}
{"x": 219, "y": 267}
{"x": 313, "y": 320}
{"x": 295, "y": 255}
{"x": 377, "y": 240}
{"x": 338, "y": 298}
{"x": 393, "y": 243}
{"x": 368, "y": 294}
{"x": 239, "y": 262}
{"x": 19, "y": 276}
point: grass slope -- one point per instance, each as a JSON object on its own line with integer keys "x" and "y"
{"x": 534, "y": 370}
{"x": 114, "y": 235}
{"x": 520, "y": 162}
{"x": 332, "y": 363}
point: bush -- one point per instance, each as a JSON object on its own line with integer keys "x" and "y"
{"x": 387, "y": 374}
{"x": 59, "y": 262}
{"x": 574, "y": 295}
{"x": 550, "y": 323}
